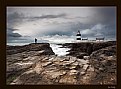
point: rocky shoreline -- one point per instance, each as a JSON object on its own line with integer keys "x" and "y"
{"x": 37, "y": 64}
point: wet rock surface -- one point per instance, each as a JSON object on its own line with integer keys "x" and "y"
{"x": 39, "y": 66}
{"x": 86, "y": 48}
{"x": 104, "y": 62}
{"x": 31, "y": 47}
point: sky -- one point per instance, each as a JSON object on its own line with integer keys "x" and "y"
{"x": 59, "y": 24}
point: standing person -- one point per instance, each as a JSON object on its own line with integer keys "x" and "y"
{"x": 35, "y": 40}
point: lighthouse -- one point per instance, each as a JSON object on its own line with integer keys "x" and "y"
{"x": 78, "y": 36}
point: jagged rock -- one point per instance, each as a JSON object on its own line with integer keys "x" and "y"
{"x": 30, "y": 47}
{"x": 85, "y": 49}
{"x": 91, "y": 69}
{"x": 104, "y": 63}
{"x": 54, "y": 74}
{"x": 72, "y": 67}
{"x": 81, "y": 55}
{"x": 73, "y": 72}
{"x": 82, "y": 61}
{"x": 68, "y": 80}
{"x": 85, "y": 67}
{"x": 86, "y": 57}
{"x": 82, "y": 73}
{"x": 29, "y": 77}
{"x": 46, "y": 64}
{"x": 34, "y": 67}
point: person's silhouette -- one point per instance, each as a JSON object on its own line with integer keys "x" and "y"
{"x": 35, "y": 40}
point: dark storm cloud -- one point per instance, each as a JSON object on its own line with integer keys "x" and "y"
{"x": 10, "y": 33}
{"x": 17, "y": 18}
{"x": 108, "y": 13}
{"x": 14, "y": 19}
{"x": 105, "y": 15}
{"x": 100, "y": 23}
{"x": 13, "y": 37}
{"x": 68, "y": 29}
{"x": 50, "y": 16}
{"x": 14, "y": 16}
{"x": 110, "y": 21}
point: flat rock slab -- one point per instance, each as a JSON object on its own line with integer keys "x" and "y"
{"x": 68, "y": 80}
{"x": 85, "y": 67}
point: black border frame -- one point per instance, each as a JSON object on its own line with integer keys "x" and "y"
{"x": 5, "y": 3}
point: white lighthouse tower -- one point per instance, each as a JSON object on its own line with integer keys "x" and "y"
{"x": 78, "y": 36}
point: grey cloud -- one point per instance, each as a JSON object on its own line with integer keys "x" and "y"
{"x": 17, "y": 18}
{"x": 11, "y": 29}
{"x": 14, "y": 15}
{"x": 51, "y": 16}
{"x": 11, "y": 34}
{"x": 103, "y": 15}
{"x": 72, "y": 27}
{"x": 106, "y": 15}
{"x": 14, "y": 19}
{"x": 68, "y": 29}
